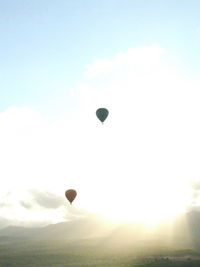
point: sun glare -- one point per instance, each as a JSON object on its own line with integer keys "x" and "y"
{"x": 126, "y": 182}
{"x": 147, "y": 206}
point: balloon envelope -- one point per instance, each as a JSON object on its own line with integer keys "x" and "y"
{"x": 70, "y": 195}
{"x": 102, "y": 114}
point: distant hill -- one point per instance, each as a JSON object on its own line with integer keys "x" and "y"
{"x": 76, "y": 229}
{"x": 183, "y": 232}
{"x": 92, "y": 241}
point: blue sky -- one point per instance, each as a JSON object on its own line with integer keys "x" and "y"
{"x": 45, "y": 45}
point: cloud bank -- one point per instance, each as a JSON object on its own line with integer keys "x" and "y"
{"x": 147, "y": 150}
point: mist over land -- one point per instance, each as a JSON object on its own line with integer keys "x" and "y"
{"x": 94, "y": 241}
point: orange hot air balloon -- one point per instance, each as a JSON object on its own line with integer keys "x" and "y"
{"x": 70, "y": 195}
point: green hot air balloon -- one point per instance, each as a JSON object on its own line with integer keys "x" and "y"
{"x": 102, "y": 114}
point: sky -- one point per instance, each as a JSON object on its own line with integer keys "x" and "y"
{"x": 59, "y": 62}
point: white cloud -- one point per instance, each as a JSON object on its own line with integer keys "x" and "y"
{"x": 147, "y": 149}
{"x": 137, "y": 60}
{"x": 152, "y": 133}
{"x": 152, "y": 106}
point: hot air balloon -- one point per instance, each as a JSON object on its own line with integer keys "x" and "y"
{"x": 102, "y": 114}
{"x": 70, "y": 195}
